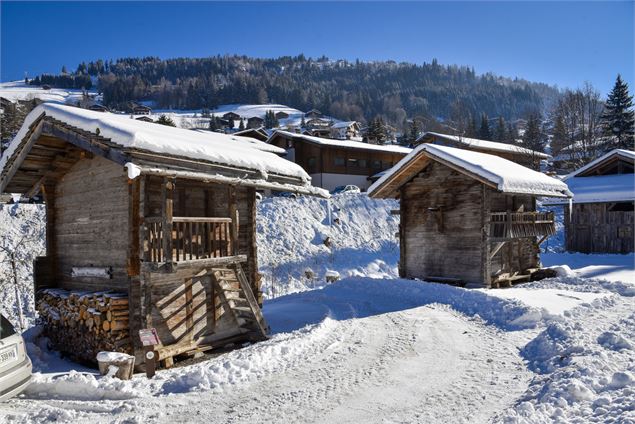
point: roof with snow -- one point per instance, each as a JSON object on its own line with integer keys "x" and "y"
{"x": 347, "y": 144}
{"x": 253, "y": 142}
{"x": 613, "y": 155}
{"x": 344, "y": 124}
{"x": 499, "y": 173}
{"x": 476, "y": 144}
{"x": 601, "y": 189}
{"x": 203, "y": 155}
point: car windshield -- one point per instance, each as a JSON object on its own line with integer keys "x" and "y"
{"x": 6, "y": 329}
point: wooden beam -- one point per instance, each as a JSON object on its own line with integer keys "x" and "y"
{"x": 33, "y": 191}
{"x": 167, "y": 203}
{"x": 233, "y": 214}
{"x": 496, "y": 248}
{"x": 22, "y": 151}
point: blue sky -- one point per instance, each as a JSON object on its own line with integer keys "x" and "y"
{"x": 563, "y": 43}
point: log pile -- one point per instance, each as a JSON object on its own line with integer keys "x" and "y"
{"x": 83, "y": 324}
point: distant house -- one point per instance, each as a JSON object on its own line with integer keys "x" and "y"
{"x": 98, "y": 108}
{"x": 313, "y": 113}
{"x": 468, "y": 218}
{"x": 282, "y": 115}
{"x": 145, "y": 119}
{"x": 572, "y": 156}
{"x": 231, "y": 116}
{"x": 349, "y": 130}
{"x": 318, "y": 127}
{"x": 601, "y": 218}
{"x": 257, "y": 133}
{"x": 332, "y": 163}
{"x": 141, "y": 110}
{"x": 255, "y": 122}
{"x": 520, "y": 155}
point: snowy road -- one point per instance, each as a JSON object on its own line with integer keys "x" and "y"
{"x": 427, "y": 364}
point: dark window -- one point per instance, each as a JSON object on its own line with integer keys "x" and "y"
{"x": 362, "y": 163}
{"x": 376, "y": 164}
{"x": 312, "y": 161}
{"x": 353, "y": 163}
{"x": 622, "y": 207}
{"x": 340, "y": 161}
{"x": 6, "y": 329}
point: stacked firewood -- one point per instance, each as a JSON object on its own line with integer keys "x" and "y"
{"x": 83, "y": 324}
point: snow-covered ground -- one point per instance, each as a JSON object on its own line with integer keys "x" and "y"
{"x": 18, "y": 90}
{"x": 376, "y": 348}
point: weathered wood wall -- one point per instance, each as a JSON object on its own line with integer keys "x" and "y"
{"x": 597, "y": 228}
{"x": 448, "y": 242}
{"x": 90, "y": 226}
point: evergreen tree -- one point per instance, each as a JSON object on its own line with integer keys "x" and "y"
{"x": 472, "y": 131}
{"x": 618, "y": 117}
{"x": 302, "y": 122}
{"x": 484, "y": 133}
{"x": 241, "y": 126}
{"x": 559, "y": 137}
{"x": 501, "y": 131}
{"x": 165, "y": 120}
{"x": 213, "y": 123}
{"x": 414, "y": 131}
{"x": 534, "y": 138}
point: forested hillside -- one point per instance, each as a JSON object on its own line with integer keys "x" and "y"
{"x": 348, "y": 90}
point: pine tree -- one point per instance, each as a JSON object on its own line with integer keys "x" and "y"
{"x": 241, "y": 126}
{"x": 213, "y": 123}
{"x": 302, "y": 122}
{"x": 472, "y": 131}
{"x": 484, "y": 133}
{"x": 501, "y": 130}
{"x": 559, "y": 137}
{"x": 414, "y": 131}
{"x": 165, "y": 120}
{"x": 618, "y": 117}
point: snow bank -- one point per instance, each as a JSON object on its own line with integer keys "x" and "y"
{"x": 292, "y": 234}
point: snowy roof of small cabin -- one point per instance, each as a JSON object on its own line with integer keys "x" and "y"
{"x": 349, "y": 144}
{"x": 601, "y": 189}
{"x": 484, "y": 144}
{"x": 503, "y": 174}
{"x": 626, "y": 154}
{"x": 133, "y": 135}
{"x": 252, "y": 142}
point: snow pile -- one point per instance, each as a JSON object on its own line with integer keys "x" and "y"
{"x": 22, "y": 230}
{"x": 297, "y": 246}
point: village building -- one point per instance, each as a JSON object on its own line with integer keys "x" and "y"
{"x": 518, "y": 154}
{"x": 255, "y": 122}
{"x": 468, "y": 217}
{"x": 318, "y": 127}
{"x": 313, "y": 113}
{"x": 281, "y": 115}
{"x": 98, "y": 107}
{"x": 145, "y": 119}
{"x": 333, "y": 163}
{"x": 601, "y": 217}
{"x": 348, "y": 130}
{"x": 258, "y": 133}
{"x": 231, "y": 116}
{"x": 141, "y": 110}
{"x": 147, "y": 226}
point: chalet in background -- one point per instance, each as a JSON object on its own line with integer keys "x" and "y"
{"x": 231, "y": 116}
{"x": 332, "y": 163}
{"x": 98, "y": 108}
{"x": 281, "y": 115}
{"x": 257, "y": 133}
{"x": 318, "y": 127}
{"x": 141, "y": 110}
{"x": 148, "y": 226}
{"x": 347, "y": 130}
{"x": 602, "y": 215}
{"x": 468, "y": 217}
{"x": 520, "y": 155}
{"x": 255, "y": 122}
{"x": 313, "y": 113}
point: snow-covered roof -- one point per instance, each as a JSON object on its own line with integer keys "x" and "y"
{"x": 252, "y": 142}
{"x": 349, "y": 144}
{"x": 626, "y": 154}
{"x": 601, "y": 188}
{"x": 505, "y": 175}
{"x": 343, "y": 124}
{"x": 133, "y": 135}
{"x": 475, "y": 143}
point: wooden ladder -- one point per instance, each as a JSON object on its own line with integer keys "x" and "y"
{"x": 234, "y": 291}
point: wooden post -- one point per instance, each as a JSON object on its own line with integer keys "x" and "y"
{"x": 233, "y": 214}
{"x": 486, "y": 256}
{"x": 48, "y": 190}
{"x": 167, "y": 196}
{"x": 402, "y": 234}
{"x": 134, "y": 230}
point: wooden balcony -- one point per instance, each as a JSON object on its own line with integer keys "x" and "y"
{"x": 510, "y": 225}
{"x": 189, "y": 239}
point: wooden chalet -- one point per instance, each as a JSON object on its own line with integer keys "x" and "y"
{"x": 148, "y": 226}
{"x": 231, "y": 116}
{"x": 255, "y": 122}
{"x": 318, "y": 127}
{"x": 313, "y": 113}
{"x": 98, "y": 108}
{"x": 601, "y": 217}
{"x": 145, "y": 119}
{"x": 281, "y": 115}
{"x": 350, "y": 130}
{"x": 520, "y": 155}
{"x": 141, "y": 110}
{"x": 257, "y": 133}
{"x": 468, "y": 217}
{"x": 332, "y": 163}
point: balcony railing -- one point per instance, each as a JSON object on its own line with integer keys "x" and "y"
{"x": 506, "y": 225}
{"x": 190, "y": 238}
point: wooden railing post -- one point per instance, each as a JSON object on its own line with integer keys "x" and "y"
{"x": 167, "y": 195}
{"x": 233, "y": 214}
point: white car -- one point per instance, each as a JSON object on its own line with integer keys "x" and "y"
{"x": 347, "y": 189}
{"x": 15, "y": 365}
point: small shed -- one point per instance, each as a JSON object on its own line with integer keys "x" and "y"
{"x": 281, "y": 115}
{"x": 98, "y": 108}
{"x": 521, "y": 155}
{"x": 231, "y": 116}
{"x": 600, "y": 219}
{"x": 468, "y": 217}
{"x": 148, "y": 226}
{"x": 255, "y": 122}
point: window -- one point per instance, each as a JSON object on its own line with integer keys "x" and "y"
{"x": 353, "y": 162}
{"x": 624, "y": 232}
{"x": 622, "y": 207}
{"x": 376, "y": 164}
{"x": 340, "y": 161}
{"x": 362, "y": 163}
{"x": 312, "y": 161}
{"x": 6, "y": 329}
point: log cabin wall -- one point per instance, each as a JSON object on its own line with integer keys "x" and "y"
{"x": 90, "y": 227}
{"x": 441, "y": 226}
{"x": 600, "y": 227}
{"x": 519, "y": 254}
